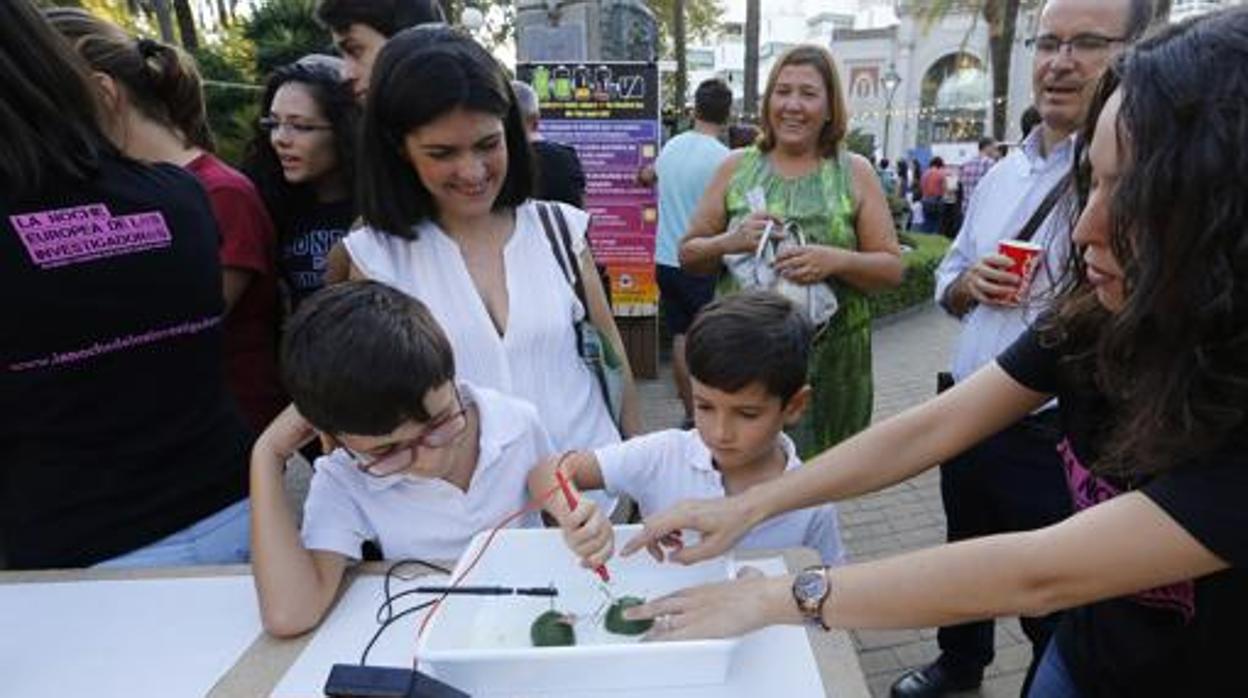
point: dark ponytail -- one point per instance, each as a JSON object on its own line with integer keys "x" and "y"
{"x": 174, "y": 81}
{"x": 160, "y": 80}
{"x": 49, "y": 125}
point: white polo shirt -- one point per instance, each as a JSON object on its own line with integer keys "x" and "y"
{"x": 429, "y": 518}
{"x": 660, "y": 469}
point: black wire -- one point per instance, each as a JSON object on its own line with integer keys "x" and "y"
{"x": 385, "y": 613}
{"x": 390, "y": 621}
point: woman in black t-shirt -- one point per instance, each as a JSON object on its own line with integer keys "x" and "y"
{"x": 302, "y": 160}
{"x": 1147, "y": 351}
{"x": 118, "y": 441}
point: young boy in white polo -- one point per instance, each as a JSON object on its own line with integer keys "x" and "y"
{"x": 422, "y": 462}
{"x": 747, "y": 356}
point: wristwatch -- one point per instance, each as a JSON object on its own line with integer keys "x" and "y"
{"x": 811, "y": 588}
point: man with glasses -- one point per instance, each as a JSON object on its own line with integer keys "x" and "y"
{"x": 422, "y": 462}
{"x": 1014, "y": 481}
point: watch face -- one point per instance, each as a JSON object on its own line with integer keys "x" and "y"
{"x": 810, "y": 585}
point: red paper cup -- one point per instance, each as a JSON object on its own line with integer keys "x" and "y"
{"x": 1026, "y": 258}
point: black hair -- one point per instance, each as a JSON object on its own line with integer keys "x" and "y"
{"x": 49, "y": 116}
{"x": 884, "y": 163}
{"x": 359, "y": 358}
{"x": 985, "y": 142}
{"x": 750, "y": 337}
{"x": 742, "y": 135}
{"x": 424, "y": 73}
{"x": 1173, "y": 361}
{"x": 388, "y": 17}
{"x": 334, "y": 98}
{"x": 160, "y": 80}
{"x": 712, "y": 101}
{"x": 936, "y": 162}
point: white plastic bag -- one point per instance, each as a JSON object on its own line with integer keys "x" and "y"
{"x": 755, "y": 271}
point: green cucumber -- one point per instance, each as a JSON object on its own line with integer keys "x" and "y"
{"x": 552, "y": 629}
{"x": 616, "y": 623}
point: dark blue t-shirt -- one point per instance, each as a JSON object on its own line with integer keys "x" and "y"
{"x": 116, "y": 428}
{"x": 304, "y": 247}
{"x": 1179, "y": 640}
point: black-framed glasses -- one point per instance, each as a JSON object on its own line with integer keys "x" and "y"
{"x": 270, "y": 125}
{"x": 436, "y": 434}
{"x": 1080, "y": 44}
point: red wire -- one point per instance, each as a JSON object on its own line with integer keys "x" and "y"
{"x": 532, "y": 504}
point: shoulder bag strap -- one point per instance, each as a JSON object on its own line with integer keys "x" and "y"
{"x": 565, "y": 259}
{"x": 543, "y": 213}
{"x": 574, "y": 263}
{"x": 1046, "y": 207}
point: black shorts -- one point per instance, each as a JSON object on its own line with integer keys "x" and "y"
{"x": 682, "y": 296}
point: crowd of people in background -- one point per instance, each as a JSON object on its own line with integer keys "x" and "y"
{"x": 398, "y": 282}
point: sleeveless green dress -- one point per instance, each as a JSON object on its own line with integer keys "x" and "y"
{"x": 822, "y": 203}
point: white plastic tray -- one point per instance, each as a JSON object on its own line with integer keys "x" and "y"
{"x": 481, "y": 643}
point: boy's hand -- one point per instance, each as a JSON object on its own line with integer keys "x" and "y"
{"x": 588, "y": 533}
{"x": 287, "y": 433}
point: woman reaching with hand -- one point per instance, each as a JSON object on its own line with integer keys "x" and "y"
{"x": 1147, "y": 351}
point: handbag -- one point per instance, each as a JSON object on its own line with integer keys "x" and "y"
{"x": 593, "y": 348}
{"x": 755, "y": 271}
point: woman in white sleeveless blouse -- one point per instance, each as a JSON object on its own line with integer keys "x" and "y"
{"x": 445, "y": 178}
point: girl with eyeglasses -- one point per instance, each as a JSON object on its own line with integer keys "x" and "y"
{"x": 155, "y": 112}
{"x": 302, "y": 161}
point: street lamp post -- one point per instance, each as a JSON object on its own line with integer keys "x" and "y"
{"x": 891, "y": 81}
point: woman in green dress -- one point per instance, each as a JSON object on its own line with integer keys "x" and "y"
{"x": 807, "y": 178}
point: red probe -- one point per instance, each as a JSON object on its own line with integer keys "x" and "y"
{"x": 570, "y": 498}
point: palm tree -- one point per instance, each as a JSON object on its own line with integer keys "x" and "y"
{"x": 682, "y": 60}
{"x": 186, "y": 24}
{"x": 283, "y": 31}
{"x": 1001, "y": 17}
{"x": 749, "y": 102}
{"x": 164, "y": 20}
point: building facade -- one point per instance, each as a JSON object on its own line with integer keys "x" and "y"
{"x": 1182, "y": 9}
{"x": 942, "y": 101}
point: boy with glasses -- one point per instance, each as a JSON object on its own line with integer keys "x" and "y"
{"x": 421, "y": 463}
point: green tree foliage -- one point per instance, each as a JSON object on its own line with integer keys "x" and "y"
{"x": 861, "y": 142}
{"x": 233, "y": 103}
{"x": 283, "y": 31}
{"x": 701, "y": 21}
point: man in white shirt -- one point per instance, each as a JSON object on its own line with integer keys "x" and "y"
{"x": 1014, "y": 480}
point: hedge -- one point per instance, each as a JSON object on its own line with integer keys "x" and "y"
{"x": 919, "y": 283}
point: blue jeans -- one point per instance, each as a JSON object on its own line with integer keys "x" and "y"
{"x": 220, "y": 539}
{"x": 1053, "y": 678}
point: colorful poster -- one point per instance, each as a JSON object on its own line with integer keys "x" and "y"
{"x": 609, "y": 112}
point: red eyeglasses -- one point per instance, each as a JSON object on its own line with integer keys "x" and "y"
{"x": 437, "y": 434}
